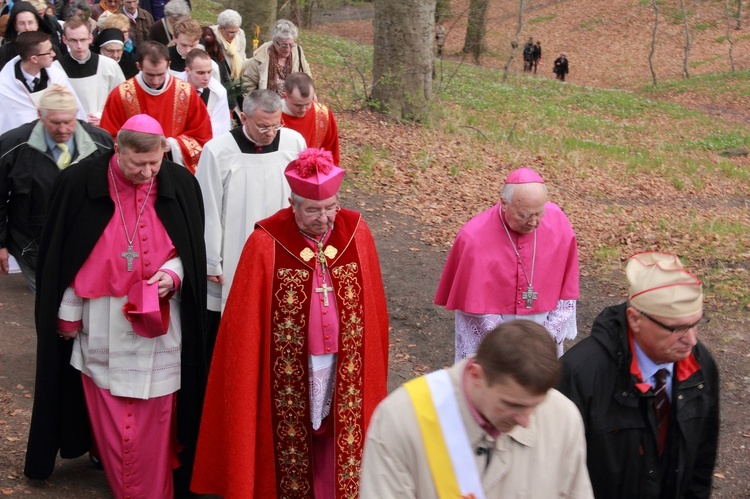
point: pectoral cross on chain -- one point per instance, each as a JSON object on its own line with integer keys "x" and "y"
{"x": 529, "y": 295}
{"x": 130, "y": 255}
{"x": 324, "y": 289}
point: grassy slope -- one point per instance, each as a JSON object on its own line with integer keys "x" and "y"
{"x": 633, "y": 171}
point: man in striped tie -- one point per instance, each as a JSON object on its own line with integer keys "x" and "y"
{"x": 32, "y": 156}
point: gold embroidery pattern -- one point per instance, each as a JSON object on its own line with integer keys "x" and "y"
{"x": 181, "y": 104}
{"x": 289, "y": 390}
{"x": 321, "y": 123}
{"x": 129, "y": 98}
{"x": 307, "y": 254}
{"x": 194, "y": 149}
{"x": 349, "y": 405}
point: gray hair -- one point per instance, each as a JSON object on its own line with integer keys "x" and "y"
{"x": 79, "y": 5}
{"x": 284, "y": 30}
{"x": 229, "y": 19}
{"x": 510, "y": 189}
{"x": 266, "y": 100}
{"x": 176, "y": 9}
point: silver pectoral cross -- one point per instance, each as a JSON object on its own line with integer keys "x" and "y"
{"x": 130, "y": 255}
{"x": 324, "y": 289}
{"x": 529, "y": 295}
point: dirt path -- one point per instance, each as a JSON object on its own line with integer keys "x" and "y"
{"x": 421, "y": 340}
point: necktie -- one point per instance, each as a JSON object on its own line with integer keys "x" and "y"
{"x": 63, "y": 161}
{"x": 34, "y": 84}
{"x": 662, "y": 406}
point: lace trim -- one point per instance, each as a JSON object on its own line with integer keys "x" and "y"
{"x": 322, "y": 384}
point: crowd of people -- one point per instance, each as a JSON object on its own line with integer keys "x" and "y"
{"x": 211, "y": 320}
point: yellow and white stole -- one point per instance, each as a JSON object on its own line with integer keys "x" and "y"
{"x": 446, "y": 443}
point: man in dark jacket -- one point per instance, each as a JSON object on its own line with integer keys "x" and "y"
{"x": 560, "y": 67}
{"x": 32, "y": 158}
{"x": 647, "y": 389}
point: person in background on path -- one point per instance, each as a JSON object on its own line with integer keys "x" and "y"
{"x": 33, "y": 155}
{"x": 528, "y": 55}
{"x": 301, "y": 358}
{"x": 647, "y": 389}
{"x": 440, "y": 35}
{"x": 561, "y": 66}
{"x": 517, "y": 260}
{"x": 120, "y": 318}
{"x": 490, "y": 426}
{"x": 537, "y": 54}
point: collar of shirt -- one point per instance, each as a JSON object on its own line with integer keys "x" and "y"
{"x": 648, "y": 368}
{"x": 30, "y": 78}
{"x": 478, "y": 418}
{"x": 52, "y": 145}
{"x": 133, "y": 17}
{"x": 80, "y": 61}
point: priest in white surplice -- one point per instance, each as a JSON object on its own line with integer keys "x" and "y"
{"x": 92, "y": 76}
{"x": 241, "y": 174}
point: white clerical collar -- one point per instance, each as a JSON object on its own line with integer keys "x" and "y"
{"x": 154, "y": 91}
{"x": 80, "y": 61}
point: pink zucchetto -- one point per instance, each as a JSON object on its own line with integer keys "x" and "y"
{"x": 143, "y": 123}
{"x": 313, "y": 175}
{"x": 524, "y": 176}
{"x": 661, "y": 286}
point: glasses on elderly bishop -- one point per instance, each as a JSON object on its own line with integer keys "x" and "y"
{"x": 328, "y": 212}
{"x": 677, "y": 329}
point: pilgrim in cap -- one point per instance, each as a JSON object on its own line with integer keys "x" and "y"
{"x": 313, "y": 175}
{"x": 143, "y": 123}
{"x": 524, "y": 176}
{"x": 58, "y": 98}
{"x": 660, "y": 285}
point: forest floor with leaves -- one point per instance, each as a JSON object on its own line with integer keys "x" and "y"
{"x": 417, "y": 185}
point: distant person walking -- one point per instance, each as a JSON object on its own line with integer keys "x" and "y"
{"x": 537, "y": 54}
{"x": 561, "y": 66}
{"x": 528, "y": 55}
{"x": 440, "y": 38}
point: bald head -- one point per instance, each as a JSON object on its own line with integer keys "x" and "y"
{"x": 523, "y": 205}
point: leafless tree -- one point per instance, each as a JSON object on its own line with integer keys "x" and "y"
{"x": 729, "y": 34}
{"x": 653, "y": 41}
{"x": 739, "y": 14}
{"x": 514, "y": 43}
{"x": 402, "y": 57}
{"x": 685, "y": 72}
{"x": 476, "y": 28}
{"x": 256, "y": 12}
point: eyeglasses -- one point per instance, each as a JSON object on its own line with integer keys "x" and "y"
{"x": 284, "y": 46}
{"x": 45, "y": 53}
{"x": 328, "y": 212}
{"x": 266, "y": 129}
{"x": 677, "y": 329}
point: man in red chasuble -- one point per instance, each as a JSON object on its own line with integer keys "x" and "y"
{"x": 169, "y": 100}
{"x": 301, "y": 358}
{"x": 313, "y": 120}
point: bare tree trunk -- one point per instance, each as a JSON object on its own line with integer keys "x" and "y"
{"x": 514, "y": 43}
{"x": 729, "y": 34}
{"x": 739, "y": 14}
{"x": 653, "y": 41}
{"x": 295, "y": 12}
{"x": 685, "y": 72}
{"x": 402, "y": 57}
{"x": 257, "y": 12}
{"x": 307, "y": 13}
{"x": 476, "y": 28}
{"x": 442, "y": 10}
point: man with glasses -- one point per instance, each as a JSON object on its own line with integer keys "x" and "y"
{"x": 517, "y": 260}
{"x": 301, "y": 358}
{"x": 92, "y": 77}
{"x": 26, "y": 76}
{"x": 241, "y": 174}
{"x": 647, "y": 389}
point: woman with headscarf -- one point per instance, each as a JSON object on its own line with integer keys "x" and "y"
{"x": 275, "y": 60}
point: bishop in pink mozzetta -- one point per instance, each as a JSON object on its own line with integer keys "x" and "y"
{"x": 518, "y": 259}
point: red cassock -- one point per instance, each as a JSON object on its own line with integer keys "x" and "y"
{"x": 178, "y": 109}
{"x": 318, "y": 127}
{"x": 256, "y": 436}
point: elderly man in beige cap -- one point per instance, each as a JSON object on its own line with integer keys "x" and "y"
{"x": 647, "y": 389}
{"x": 32, "y": 156}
